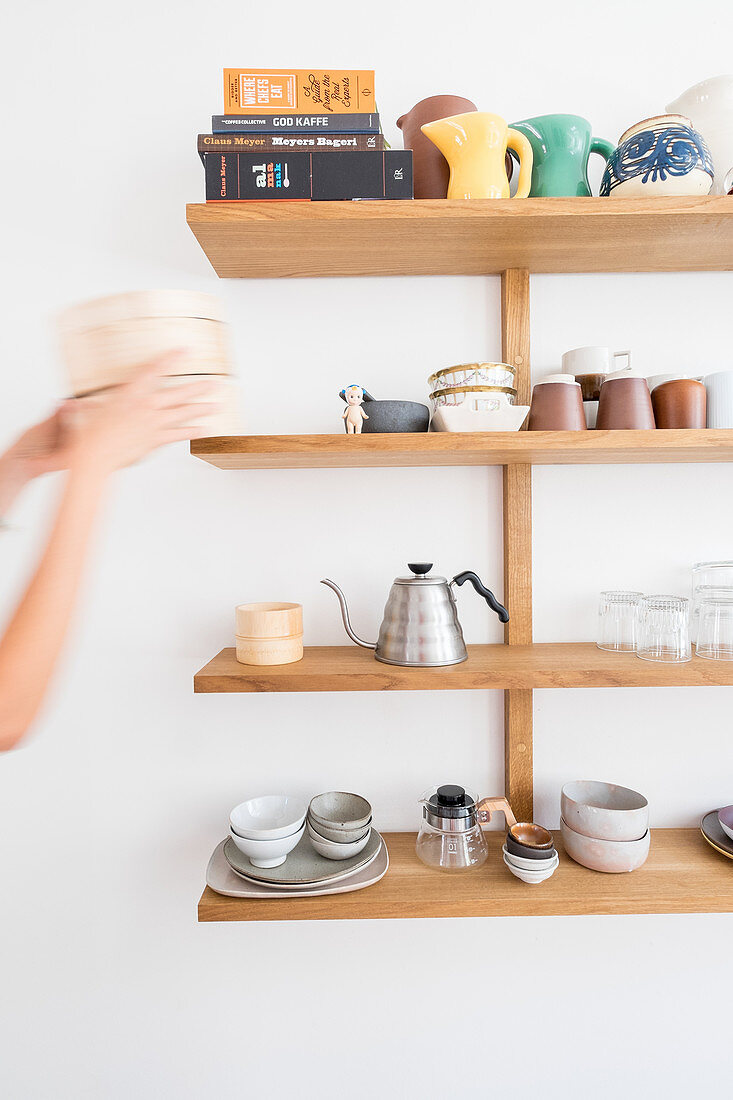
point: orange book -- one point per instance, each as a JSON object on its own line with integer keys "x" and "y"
{"x": 303, "y": 91}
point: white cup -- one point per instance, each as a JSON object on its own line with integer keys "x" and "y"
{"x": 593, "y": 360}
{"x": 720, "y": 399}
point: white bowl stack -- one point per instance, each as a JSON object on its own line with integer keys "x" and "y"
{"x": 475, "y": 397}
{"x": 267, "y": 828}
{"x": 605, "y": 827}
{"x": 104, "y": 342}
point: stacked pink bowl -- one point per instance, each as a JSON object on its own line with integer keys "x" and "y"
{"x": 605, "y": 827}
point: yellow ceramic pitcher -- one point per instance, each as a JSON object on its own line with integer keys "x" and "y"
{"x": 475, "y": 145}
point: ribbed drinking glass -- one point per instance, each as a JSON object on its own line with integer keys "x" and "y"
{"x": 708, "y": 575}
{"x": 715, "y": 631}
{"x": 664, "y": 633}
{"x": 618, "y": 621}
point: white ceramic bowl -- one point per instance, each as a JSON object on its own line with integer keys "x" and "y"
{"x": 337, "y": 836}
{"x": 332, "y": 850}
{"x": 530, "y": 864}
{"x": 267, "y": 853}
{"x": 268, "y": 817}
{"x": 340, "y": 810}
{"x": 532, "y": 878}
{"x": 604, "y": 811}
{"x": 611, "y": 856}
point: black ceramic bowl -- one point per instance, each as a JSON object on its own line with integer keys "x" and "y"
{"x": 395, "y": 416}
{"x": 516, "y": 849}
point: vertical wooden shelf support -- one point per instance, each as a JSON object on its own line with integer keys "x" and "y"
{"x": 517, "y": 510}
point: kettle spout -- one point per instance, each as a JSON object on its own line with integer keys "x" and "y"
{"x": 345, "y": 616}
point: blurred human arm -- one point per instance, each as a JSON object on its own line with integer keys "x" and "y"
{"x": 96, "y": 436}
{"x": 35, "y": 452}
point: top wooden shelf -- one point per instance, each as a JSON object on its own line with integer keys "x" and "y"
{"x": 264, "y": 240}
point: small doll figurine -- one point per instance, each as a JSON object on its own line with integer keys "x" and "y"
{"x": 353, "y": 413}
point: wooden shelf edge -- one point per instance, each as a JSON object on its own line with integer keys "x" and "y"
{"x": 682, "y": 875}
{"x": 489, "y": 667}
{"x": 338, "y": 451}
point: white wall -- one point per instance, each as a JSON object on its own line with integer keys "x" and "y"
{"x": 108, "y": 987}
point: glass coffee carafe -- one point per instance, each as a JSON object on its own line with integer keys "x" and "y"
{"x": 451, "y": 837}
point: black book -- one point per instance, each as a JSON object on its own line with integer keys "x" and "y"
{"x": 320, "y": 176}
{"x": 305, "y": 124}
{"x": 271, "y": 144}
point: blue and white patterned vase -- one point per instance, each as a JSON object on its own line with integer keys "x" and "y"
{"x": 659, "y": 156}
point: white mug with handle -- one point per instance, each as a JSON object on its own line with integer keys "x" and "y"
{"x": 594, "y": 360}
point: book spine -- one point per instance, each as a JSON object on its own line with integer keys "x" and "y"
{"x": 278, "y": 90}
{"x": 278, "y": 143}
{"x": 306, "y": 124}
{"x": 321, "y": 176}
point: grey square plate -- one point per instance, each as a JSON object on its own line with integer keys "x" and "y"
{"x": 304, "y": 866}
{"x": 221, "y": 878}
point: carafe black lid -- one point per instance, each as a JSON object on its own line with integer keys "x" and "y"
{"x": 451, "y": 800}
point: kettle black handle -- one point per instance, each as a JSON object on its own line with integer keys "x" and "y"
{"x": 483, "y": 591}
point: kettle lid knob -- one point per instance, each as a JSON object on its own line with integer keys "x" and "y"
{"x": 451, "y": 795}
{"x": 420, "y": 568}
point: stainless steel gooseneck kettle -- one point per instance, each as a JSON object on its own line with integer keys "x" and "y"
{"x": 420, "y": 626}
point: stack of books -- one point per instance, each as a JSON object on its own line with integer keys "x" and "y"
{"x": 312, "y": 135}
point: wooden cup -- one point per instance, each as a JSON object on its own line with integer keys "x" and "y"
{"x": 269, "y": 651}
{"x": 269, "y": 620}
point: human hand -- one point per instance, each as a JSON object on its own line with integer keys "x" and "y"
{"x": 113, "y": 429}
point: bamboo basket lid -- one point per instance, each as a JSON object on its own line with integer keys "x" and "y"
{"x": 138, "y": 304}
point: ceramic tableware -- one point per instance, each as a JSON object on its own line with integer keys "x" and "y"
{"x": 396, "y": 416}
{"x": 524, "y": 851}
{"x": 268, "y": 816}
{"x": 680, "y": 403}
{"x": 338, "y": 850}
{"x": 338, "y": 836}
{"x": 717, "y": 838}
{"x": 530, "y": 835}
{"x": 267, "y": 853}
{"x": 223, "y": 880}
{"x": 618, "y": 621}
{"x": 664, "y": 631}
{"x": 654, "y": 380}
{"x": 104, "y": 342}
{"x": 303, "y": 865}
{"x": 709, "y": 105}
{"x": 475, "y": 408}
{"x": 420, "y": 627}
{"x": 728, "y": 183}
{"x": 561, "y": 147}
{"x": 625, "y": 402}
{"x": 557, "y": 405}
{"x": 531, "y": 878}
{"x": 719, "y": 388}
{"x": 475, "y": 145}
{"x": 663, "y": 155}
{"x": 430, "y": 171}
{"x": 725, "y": 820}
{"x": 610, "y": 856}
{"x": 340, "y": 810}
{"x": 594, "y": 359}
{"x": 531, "y": 864}
{"x": 604, "y": 810}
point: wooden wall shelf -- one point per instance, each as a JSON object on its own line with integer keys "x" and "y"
{"x": 501, "y": 667}
{"x": 258, "y": 240}
{"x": 287, "y": 452}
{"x": 682, "y": 875}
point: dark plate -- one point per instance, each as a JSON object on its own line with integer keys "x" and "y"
{"x": 711, "y": 829}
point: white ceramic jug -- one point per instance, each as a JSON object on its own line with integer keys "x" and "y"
{"x": 709, "y": 105}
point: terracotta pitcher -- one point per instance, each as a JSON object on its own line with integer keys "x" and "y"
{"x": 475, "y": 146}
{"x": 430, "y": 170}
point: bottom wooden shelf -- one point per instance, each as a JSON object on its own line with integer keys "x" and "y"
{"x": 682, "y": 875}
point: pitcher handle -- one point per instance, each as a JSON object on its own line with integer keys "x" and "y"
{"x": 520, "y": 145}
{"x": 490, "y": 805}
{"x": 602, "y": 147}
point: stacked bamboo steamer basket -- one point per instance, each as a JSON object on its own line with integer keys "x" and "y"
{"x": 104, "y": 342}
{"x": 269, "y": 633}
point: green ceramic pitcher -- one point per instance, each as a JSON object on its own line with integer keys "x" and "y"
{"x": 561, "y": 145}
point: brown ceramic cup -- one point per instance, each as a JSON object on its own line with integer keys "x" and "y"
{"x": 557, "y": 406}
{"x": 625, "y": 403}
{"x": 430, "y": 171}
{"x": 680, "y": 403}
{"x": 590, "y": 385}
